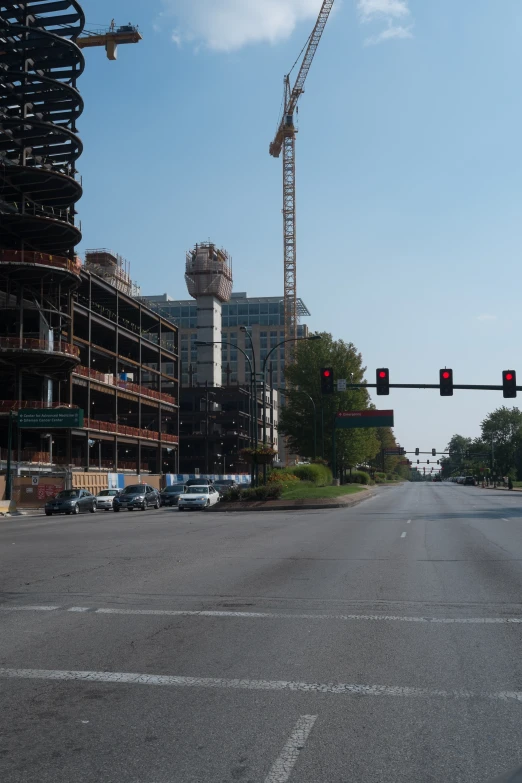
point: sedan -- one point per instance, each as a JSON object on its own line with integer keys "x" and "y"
{"x": 170, "y": 495}
{"x": 71, "y": 501}
{"x": 105, "y": 498}
{"x": 198, "y": 497}
{"x": 139, "y": 496}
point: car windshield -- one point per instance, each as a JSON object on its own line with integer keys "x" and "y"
{"x": 69, "y": 493}
{"x": 135, "y": 489}
{"x": 198, "y": 490}
{"x": 105, "y": 492}
{"x": 175, "y": 488}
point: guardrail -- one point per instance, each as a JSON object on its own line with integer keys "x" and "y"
{"x": 111, "y": 380}
{"x": 123, "y": 429}
{"x": 32, "y": 344}
{"x": 44, "y": 259}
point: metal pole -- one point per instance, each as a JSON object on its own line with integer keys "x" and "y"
{"x": 322, "y": 429}
{"x": 206, "y": 430}
{"x": 334, "y": 455}
{"x": 9, "y": 478}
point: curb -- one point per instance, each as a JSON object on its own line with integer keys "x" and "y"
{"x": 224, "y": 508}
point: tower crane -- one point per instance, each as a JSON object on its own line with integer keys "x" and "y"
{"x": 285, "y": 140}
{"x": 110, "y": 37}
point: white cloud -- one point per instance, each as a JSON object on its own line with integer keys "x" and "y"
{"x": 393, "y": 31}
{"x": 227, "y": 25}
{"x": 486, "y": 317}
{"x": 389, "y": 11}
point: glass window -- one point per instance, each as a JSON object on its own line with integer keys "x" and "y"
{"x": 225, "y": 309}
{"x": 263, "y": 320}
{"x": 226, "y": 321}
{"x": 233, "y": 356}
{"x": 232, "y": 321}
{"x": 242, "y": 320}
{"x": 193, "y": 322}
{"x": 263, "y": 308}
{"x": 232, "y": 309}
{"x": 185, "y": 323}
{"x": 233, "y": 337}
{"x": 185, "y": 312}
{"x": 273, "y": 308}
{"x": 253, "y": 309}
{"x": 242, "y": 309}
{"x": 263, "y": 334}
{"x": 193, "y": 338}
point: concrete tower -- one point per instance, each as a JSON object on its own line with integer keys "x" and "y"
{"x": 208, "y": 276}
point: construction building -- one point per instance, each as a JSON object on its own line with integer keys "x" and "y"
{"x": 71, "y": 338}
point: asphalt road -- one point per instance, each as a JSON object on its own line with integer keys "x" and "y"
{"x": 375, "y": 643}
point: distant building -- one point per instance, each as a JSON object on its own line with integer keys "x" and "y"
{"x": 264, "y": 318}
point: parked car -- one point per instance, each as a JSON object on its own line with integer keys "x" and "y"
{"x": 198, "y": 497}
{"x": 469, "y": 481}
{"x": 198, "y": 482}
{"x": 139, "y": 496}
{"x": 71, "y": 501}
{"x": 223, "y": 485}
{"x": 105, "y": 498}
{"x": 169, "y": 496}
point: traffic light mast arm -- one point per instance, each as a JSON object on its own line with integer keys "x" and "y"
{"x": 431, "y": 386}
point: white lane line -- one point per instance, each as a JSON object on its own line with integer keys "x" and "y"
{"x": 284, "y": 765}
{"x": 408, "y": 522}
{"x": 336, "y": 689}
{"x": 276, "y": 615}
{"x": 29, "y": 608}
{"x": 403, "y": 535}
{"x": 504, "y": 519}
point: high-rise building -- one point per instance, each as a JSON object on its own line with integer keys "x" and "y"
{"x": 262, "y": 316}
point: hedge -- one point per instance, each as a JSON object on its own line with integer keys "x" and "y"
{"x": 359, "y": 477}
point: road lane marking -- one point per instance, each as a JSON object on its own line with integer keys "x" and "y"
{"x": 30, "y": 608}
{"x": 504, "y": 519}
{"x": 403, "y": 535}
{"x": 408, "y": 522}
{"x": 284, "y": 765}
{"x": 270, "y": 615}
{"x": 336, "y": 689}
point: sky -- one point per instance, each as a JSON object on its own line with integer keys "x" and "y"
{"x": 409, "y": 175}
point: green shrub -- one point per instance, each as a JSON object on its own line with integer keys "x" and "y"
{"x": 379, "y": 479}
{"x": 320, "y": 475}
{"x": 391, "y": 476}
{"x": 359, "y": 477}
{"x": 268, "y": 492}
{"x": 281, "y": 476}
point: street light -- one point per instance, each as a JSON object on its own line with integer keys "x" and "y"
{"x": 254, "y": 377}
{"x": 289, "y": 340}
{"x": 199, "y": 343}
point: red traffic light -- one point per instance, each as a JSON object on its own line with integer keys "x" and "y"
{"x": 509, "y": 376}
{"x": 382, "y": 374}
{"x": 326, "y": 373}
{"x": 509, "y": 383}
{"x": 446, "y": 375}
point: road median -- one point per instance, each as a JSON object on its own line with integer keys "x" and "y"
{"x": 300, "y": 504}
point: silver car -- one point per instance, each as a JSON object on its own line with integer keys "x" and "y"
{"x": 105, "y": 499}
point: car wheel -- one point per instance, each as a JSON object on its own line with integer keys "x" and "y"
{"x": 93, "y": 508}
{"x": 156, "y": 504}
{"x": 116, "y": 510}
{"x": 76, "y": 509}
{"x": 144, "y": 506}
{"x": 48, "y": 513}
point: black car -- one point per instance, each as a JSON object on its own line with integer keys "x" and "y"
{"x": 469, "y": 481}
{"x": 139, "y": 496}
{"x": 170, "y": 495}
{"x": 199, "y": 482}
{"x": 71, "y": 501}
{"x": 223, "y": 485}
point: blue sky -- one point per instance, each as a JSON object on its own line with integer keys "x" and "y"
{"x": 409, "y": 174}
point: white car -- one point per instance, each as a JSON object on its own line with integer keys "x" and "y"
{"x": 105, "y": 499}
{"x": 198, "y": 497}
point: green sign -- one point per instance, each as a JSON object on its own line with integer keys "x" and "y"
{"x": 50, "y": 418}
{"x": 363, "y": 419}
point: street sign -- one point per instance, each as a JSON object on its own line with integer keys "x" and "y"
{"x": 398, "y": 452}
{"x": 50, "y": 418}
{"x": 35, "y": 481}
{"x": 363, "y": 419}
{"x": 341, "y": 384}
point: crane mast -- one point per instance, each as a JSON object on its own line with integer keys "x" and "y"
{"x": 285, "y": 141}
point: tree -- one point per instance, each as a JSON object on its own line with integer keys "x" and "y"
{"x": 303, "y": 378}
{"x": 503, "y": 430}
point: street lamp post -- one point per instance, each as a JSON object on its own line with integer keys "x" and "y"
{"x": 224, "y": 342}
{"x": 315, "y": 420}
{"x": 254, "y": 384}
{"x": 290, "y": 340}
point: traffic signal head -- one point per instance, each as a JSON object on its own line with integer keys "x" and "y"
{"x": 434, "y": 452}
{"x": 446, "y": 382}
{"x": 509, "y": 383}
{"x": 383, "y": 380}
{"x": 417, "y": 452}
{"x": 327, "y": 380}
{"x": 418, "y": 461}
{"x": 427, "y": 462}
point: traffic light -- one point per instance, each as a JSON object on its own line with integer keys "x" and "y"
{"x": 427, "y": 462}
{"x": 509, "y": 383}
{"x": 417, "y": 452}
{"x": 327, "y": 380}
{"x": 446, "y": 383}
{"x": 438, "y": 462}
{"x": 418, "y": 462}
{"x": 434, "y": 452}
{"x": 383, "y": 380}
